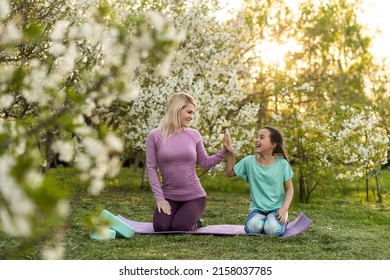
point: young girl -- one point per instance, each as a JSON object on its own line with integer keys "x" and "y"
{"x": 269, "y": 177}
{"x": 174, "y": 149}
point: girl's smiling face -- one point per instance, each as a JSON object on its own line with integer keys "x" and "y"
{"x": 186, "y": 115}
{"x": 263, "y": 142}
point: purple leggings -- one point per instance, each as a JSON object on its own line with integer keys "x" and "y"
{"x": 184, "y": 215}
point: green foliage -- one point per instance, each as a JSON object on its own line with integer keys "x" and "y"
{"x": 34, "y": 32}
{"x": 327, "y": 47}
{"x": 343, "y": 228}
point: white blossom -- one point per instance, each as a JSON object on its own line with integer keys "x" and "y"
{"x": 67, "y": 62}
{"x": 93, "y": 147}
{"x": 11, "y": 34}
{"x": 131, "y": 93}
{"x": 83, "y": 162}
{"x": 65, "y": 149}
{"x": 114, "y": 143}
{"x": 15, "y": 221}
{"x": 33, "y": 178}
{"x": 59, "y": 30}
{"x": 5, "y": 9}
{"x": 96, "y": 186}
{"x": 57, "y": 49}
{"x": 276, "y": 116}
{"x": 53, "y": 253}
{"x": 89, "y": 107}
{"x": 6, "y": 101}
{"x": 156, "y": 20}
{"x": 15, "y": 224}
{"x": 91, "y": 31}
{"x": 63, "y": 207}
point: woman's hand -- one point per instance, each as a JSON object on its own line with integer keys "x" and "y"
{"x": 228, "y": 142}
{"x": 164, "y": 206}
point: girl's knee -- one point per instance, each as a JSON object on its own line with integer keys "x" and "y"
{"x": 273, "y": 227}
{"x": 254, "y": 224}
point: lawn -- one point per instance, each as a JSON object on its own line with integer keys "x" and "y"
{"x": 344, "y": 227}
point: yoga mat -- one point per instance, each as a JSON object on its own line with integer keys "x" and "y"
{"x": 299, "y": 225}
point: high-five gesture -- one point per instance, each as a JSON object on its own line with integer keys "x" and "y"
{"x": 231, "y": 158}
{"x": 228, "y": 142}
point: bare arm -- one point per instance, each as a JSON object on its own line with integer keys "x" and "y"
{"x": 289, "y": 190}
{"x": 231, "y": 157}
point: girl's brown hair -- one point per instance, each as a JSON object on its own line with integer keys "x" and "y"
{"x": 277, "y": 138}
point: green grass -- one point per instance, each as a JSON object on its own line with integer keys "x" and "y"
{"x": 344, "y": 227}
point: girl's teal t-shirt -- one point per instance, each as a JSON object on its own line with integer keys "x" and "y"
{"x": 266, "y": 183}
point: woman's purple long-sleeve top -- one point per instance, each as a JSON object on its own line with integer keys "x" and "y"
{"x": 176, "y": 158}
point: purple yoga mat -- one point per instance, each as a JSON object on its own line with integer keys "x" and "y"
{"x": 299, "y": 225}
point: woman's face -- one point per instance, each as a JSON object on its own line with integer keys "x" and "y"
{"x": 186, "y": 115}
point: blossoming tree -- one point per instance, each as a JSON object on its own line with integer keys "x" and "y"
{"x": 205, "y": 66}
{"x": 345, "y": 143}
{"x": 59, "y": 64}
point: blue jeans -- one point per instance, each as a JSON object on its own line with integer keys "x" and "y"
{"x": 260, "y": 222}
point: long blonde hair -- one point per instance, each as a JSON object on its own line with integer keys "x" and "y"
{"x": 170, "y": 123}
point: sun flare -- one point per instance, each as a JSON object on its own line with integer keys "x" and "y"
{"x": 273, "y": 54}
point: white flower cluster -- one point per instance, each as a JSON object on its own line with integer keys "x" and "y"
{"x": 5, "y": 9}
{"x": 365, "y": 144}
{"x": 18, "y": 208}
{"x": 348, "y": 144}
{"x": 99, "y": 159}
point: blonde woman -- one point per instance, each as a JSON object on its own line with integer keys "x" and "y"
{"x": 174, "y": 149}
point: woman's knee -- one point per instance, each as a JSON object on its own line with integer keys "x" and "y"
{"x": 182, "y": 226}
{"x": 159, "y": 225}
{"x": 161, "y": 221}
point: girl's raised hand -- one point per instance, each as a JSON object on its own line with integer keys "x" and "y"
{"x": 228, "y": 141}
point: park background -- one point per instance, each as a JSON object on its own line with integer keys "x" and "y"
{"x": 82, "y": 82}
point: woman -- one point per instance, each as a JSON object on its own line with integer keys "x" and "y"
{"x": 174, "y": 150}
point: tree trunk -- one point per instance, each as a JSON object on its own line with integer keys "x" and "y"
{"x": 143, "y": 178}
{"x": 378, "y": 187}
{"x": 137, "y": 160}
{"x": 301, "y": 189}
{"x": 49, "y": 155}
